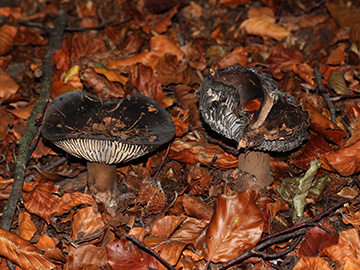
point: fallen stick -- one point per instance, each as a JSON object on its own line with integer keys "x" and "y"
{"x": 24, "y": 154}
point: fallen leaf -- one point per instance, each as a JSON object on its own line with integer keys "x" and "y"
{"x": 236, "y": 225}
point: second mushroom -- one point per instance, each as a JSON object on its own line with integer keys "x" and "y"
{"x": 106, "y": 132}
{"x": 245, "y": 105}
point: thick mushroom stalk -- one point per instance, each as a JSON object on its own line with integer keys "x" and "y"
{"x": 106, "y": 132}
{"x": 245, "y": 105}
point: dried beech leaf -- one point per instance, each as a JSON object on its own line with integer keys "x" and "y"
{"x": 316, "y": 144}
{"x": 316, "y": 240}
{"x": 264, "y": 26}
{"x": 87, "y": 257}
{"x": 41, "y": 200}
{"x": 21, "y": 252}
{"x": 196, "y": 208}
{"x": 233, "y": 3}
{"x": 7, "y": 35}
{"x": 238, "y": 56}
{"x": 306, "y": 263}
{"x": 323, "y": 125}
{"x": 337, "y": 57}
{"x": 346, "y": 249}
{"x": 86, "y": 221}
{"x": 8, "y": 86}
{"x": 337, "y": 82}
{"x": 191, "y": 150}
{"x": 70, "y": 200}
{"x": 345, "y": 161}
{"x": 5, "y": 121}
{"x": 27, "y": 228}
{"x": 124, "y": 254}
{"x": 237, "y": 225}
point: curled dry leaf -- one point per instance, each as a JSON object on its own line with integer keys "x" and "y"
{"x": 324, "y": 126}
{"x": 124, "y": 254}
{"x": 337, "y": 82}
{"x": 86, "y": 221}
{"x": 22, "y": 253}
{"x": 347, "y": 248}
{"x": 195, "y": 207}
{"x": 237, "y": 225}
{"x": 238, "y": 56}
{"x": 345, "y": 161}
{"x": 261, "y": 22}
{"x": 192, "y": 149}
{"x": 5, "y": 121}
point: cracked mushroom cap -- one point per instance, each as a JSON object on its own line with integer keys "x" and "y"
{"x": 107, "y": 130}
{"x": 246, "y": 105}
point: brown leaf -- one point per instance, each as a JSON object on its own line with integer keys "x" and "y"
{"x": 27, "y": 228}
{"x": 346, "y": 249}
{"x": 21, "y": 252}
{"x": 39, "y": 199}
{"x": 306, "y": 263}
{"x": 171, "y": 70}
{"x": 233, "y": 3}
{"x": 261, "y": 22}
{"x": 124, "y": 254}
{"x": 87, "y": 257}
{"x": 337, "y": 56}
{"x": 70, "y": 200}
{"x": 237, "y": 225}
{"x": 316, "y": 240}
{"x": 337, "y": 82}
{"x": 323, "y": 125}
{"x": 7, "y": 35}
{"x": 5, "y": 121}
{"x": 316, "y": 144}
{"x": 345, "y": 161}
{"x": 192, "y": 149}
{"x": 194, "y": 207}
{"x": 145, "y": 80}
{"x": 238, "y": 56}
{"x": 8, "y": 86}
{"x": 86, "y": 221}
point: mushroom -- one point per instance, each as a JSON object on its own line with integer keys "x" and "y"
{"x": 245, "y": 105}
{"x": 106, "y": 132}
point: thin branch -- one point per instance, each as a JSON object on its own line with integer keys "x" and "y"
{"x": 145, "y": 248}
{"x": 26, "y": 141}
{"x": 325, "y": 95}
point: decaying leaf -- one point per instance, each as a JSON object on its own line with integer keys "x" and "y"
{"x": 295, "y": 190}
{"x": 337, "y": 82}
{"x": 22, "y": 253}
{"x": 262, "y": 22}
{"x": 236, "y": 225}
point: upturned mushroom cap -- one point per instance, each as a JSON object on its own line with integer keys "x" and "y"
{"x": 107, "y": 130}
{"x": 245, "y": 105}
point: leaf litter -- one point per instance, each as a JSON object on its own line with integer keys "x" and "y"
{"x": 185, "y": 201}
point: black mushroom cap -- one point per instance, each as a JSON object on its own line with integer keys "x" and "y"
{"x": 246, "y": 105}
{"x": 107, "y": 130}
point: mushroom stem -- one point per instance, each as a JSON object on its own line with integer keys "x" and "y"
{"x": 257, "y": 164}
{"x": 102, "y": 182}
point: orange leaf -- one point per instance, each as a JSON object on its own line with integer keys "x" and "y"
{"x": 124, "y": 254}
{"x": 87, "y": 257}
{"x": 7, "y": 35}
{"x": 21, "y": 252}
{"x": 237, "y": 225}
{"x": 27, "y": 228}
{"x": 261, "y": 22}
{"x": 315, "y": 263}
{"x": 345, "y": 161}
{"x": 86, "y": 220}
{"x": 8, "y": 86}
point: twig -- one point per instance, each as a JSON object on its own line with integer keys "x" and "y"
{"x": 145, "y": 248}
{"x": 25, "y": 142}
{"x": 256, "y": 251}
{"x": 309, "y": 222}
{"x": 325, "y": 95}
{"x": 297, "y": 231}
